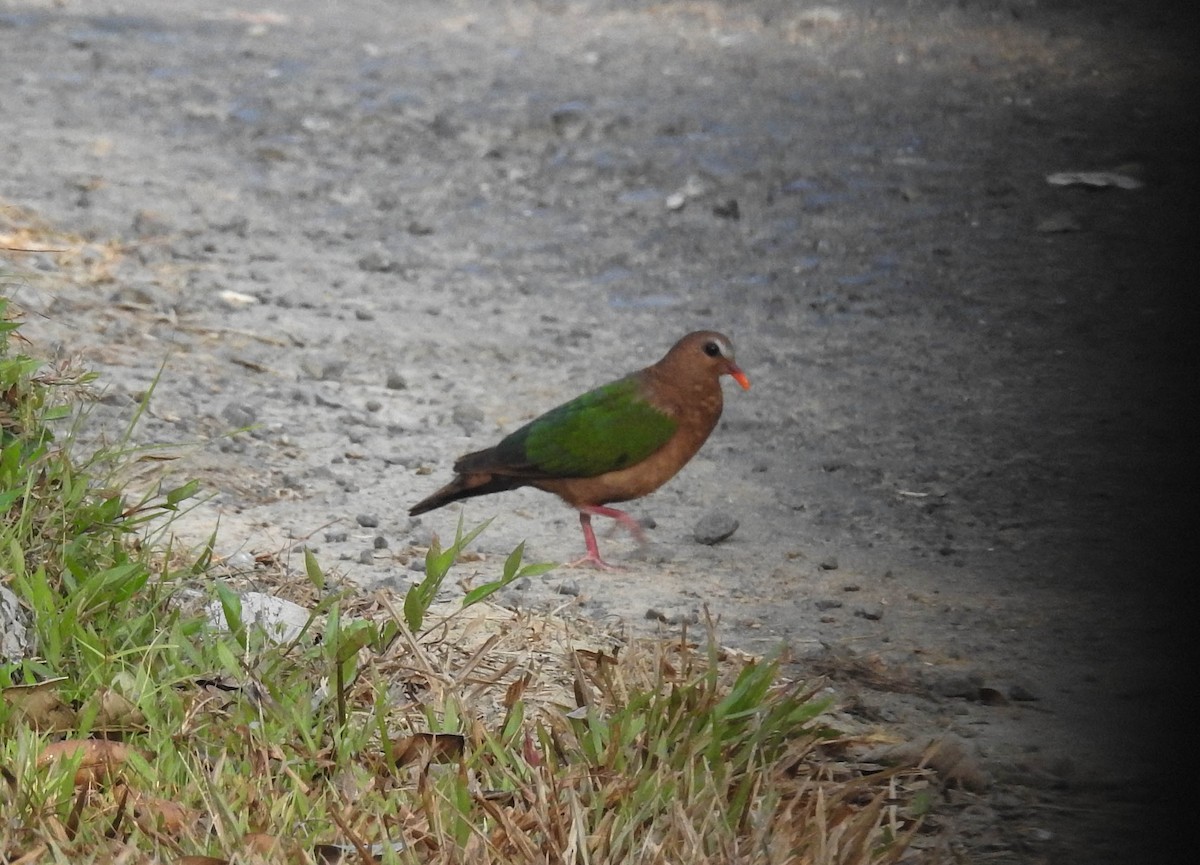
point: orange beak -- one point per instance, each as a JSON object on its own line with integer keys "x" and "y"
{"x": 740, "y": 377}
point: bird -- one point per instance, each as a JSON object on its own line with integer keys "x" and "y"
{"x": 618, "y": 442}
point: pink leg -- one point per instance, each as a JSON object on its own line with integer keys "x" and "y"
{"x": 621, "y": 517}
{"x": 589, "y": 536}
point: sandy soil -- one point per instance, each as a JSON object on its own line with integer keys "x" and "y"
{"x": 382, "y": 234}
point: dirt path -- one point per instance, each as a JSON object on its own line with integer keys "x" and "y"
{"x": 384, "y": 233}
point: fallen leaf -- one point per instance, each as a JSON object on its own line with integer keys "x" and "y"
{"x": 41, "y": 706}
{"x": 428, "y": 748}
{"x": 163, "y": 816}
{"x": 260, "y": 843}
{"x": 99, "y": 759}
{"x": 516, "y": 690}
{"x": 116, "y": 712}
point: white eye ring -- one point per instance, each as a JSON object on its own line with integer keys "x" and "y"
{"x": 717, "y": 348}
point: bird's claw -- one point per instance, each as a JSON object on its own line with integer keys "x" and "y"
{"x": 590, "y": 561}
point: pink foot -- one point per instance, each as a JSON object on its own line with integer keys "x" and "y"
{"x": 590, "y": 561}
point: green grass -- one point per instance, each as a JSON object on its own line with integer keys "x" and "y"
{"x": 391, "y": 729}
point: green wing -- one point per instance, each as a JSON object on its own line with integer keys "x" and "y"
{"x": 603, "y": 430}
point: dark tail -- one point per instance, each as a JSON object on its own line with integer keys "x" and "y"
{"x": 465, "y": 487}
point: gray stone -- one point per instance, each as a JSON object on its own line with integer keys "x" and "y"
{"x": 17, "y": 639}
{"x": 714, "y": 527}
{"x": 239, "y": 414}
{"x": 281, "y": 620}
{"x": 376, "y": 261}
{"x": 469, "y": 417}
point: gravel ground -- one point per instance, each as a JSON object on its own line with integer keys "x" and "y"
{"x": 380, "y": 234}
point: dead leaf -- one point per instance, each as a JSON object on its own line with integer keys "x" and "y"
{"x": 428, "y": 748}
{"x": 529, "y": 750}
{"x": 100, "y": 757}
{"x": 260, "y": 843}
{"x": 116, "y": 712}
{"x": 154, "y": 815}
{"x": 41, "y": 706}
{"x": 516, "y": 690}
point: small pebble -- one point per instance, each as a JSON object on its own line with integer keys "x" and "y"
{"x": 149, "y": 223}
{"x": 239, "y": 414}
{"x": 1061, "y": 222}
{"x": 568, "y": 587}
{"x": 240, "y": 561}
{"x": 1022, "y": 693}
{"x": 727, "y": 209}
{"x": 133, "y": 294}
{"x": 469, "y": 417}
{"x": 116, "y": 397}
{"x": 367, "y": 521}
{"x": 872, "y": 613}
{"x": 376, "y": 262}
{"x": 829, "y": 563}
{"x": 570, "y": 119}
{"x": 955, "y": 684}
{"x": 323, "y": 370}
{"x": 336, "y": 537}
{"x": 366, "y": 557}
{"x": 714, "y": 528}
{"x": 380, "y": 542}
{"x": 395, "y": 381}
{"x": 992, "y": 697}
{"x": 679, "y": 617}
